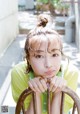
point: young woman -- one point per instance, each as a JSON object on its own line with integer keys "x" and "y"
{"x": 43, "y": 49}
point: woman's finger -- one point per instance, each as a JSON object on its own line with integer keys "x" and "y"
{"x": 35, "y": 86}
{"x": 52, "y": 83}
{"x": 31, "y": 86}
{"x": 43, "y": 84}
{"x": 54, "y": 89}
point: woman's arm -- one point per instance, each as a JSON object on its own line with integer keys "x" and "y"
{"x": 56, "y": 103}
{"x": 38, "y": 105}
{"x": 30, "y": 109}
{"x": 56, "y": 85}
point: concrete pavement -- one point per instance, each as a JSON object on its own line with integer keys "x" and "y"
{"x": 12, "y": 56}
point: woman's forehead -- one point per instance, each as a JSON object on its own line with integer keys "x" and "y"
{"x": 49, "y": 46}
{"x": 44, "y": 43}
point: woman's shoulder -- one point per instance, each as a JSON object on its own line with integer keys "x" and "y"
{"x": 19, "y": 69}
{"x": 21, "y": 65}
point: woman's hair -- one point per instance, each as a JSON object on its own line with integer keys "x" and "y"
{"x": 35, "y": 36}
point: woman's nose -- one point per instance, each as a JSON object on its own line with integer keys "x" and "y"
{"x": 48, "y": 63}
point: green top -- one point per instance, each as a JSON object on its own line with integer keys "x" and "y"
{"x": 19, "y": 82}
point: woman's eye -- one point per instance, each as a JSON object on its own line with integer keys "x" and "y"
{"x": 38, "y": 56}
{"x": 55, "y": 55}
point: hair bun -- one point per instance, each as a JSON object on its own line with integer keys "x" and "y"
{"x": 42, "y": 20}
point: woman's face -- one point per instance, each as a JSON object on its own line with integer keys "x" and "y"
{"x": 46, "y": 60}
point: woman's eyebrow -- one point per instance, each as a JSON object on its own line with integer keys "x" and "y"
{"x": 42, "y": 51}
{"x": 53, "y": 50}
{"x": 38, "y": 51}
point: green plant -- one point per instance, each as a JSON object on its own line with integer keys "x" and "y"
{"x": 43, "y": 1}
{"x": 53, "y": 5}
{"x": 62, "y": 8}
{"x": 47, "y": 1}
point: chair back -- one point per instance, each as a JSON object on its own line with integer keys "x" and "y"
{"x": 66, "y": 90}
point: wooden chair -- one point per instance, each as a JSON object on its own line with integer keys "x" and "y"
{"x": 66, "y": 90}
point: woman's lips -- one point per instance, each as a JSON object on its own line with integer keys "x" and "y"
{"x": 49, "y": 72}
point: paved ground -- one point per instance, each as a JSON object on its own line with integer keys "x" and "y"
{"x": 71, "y": 51}
{"x": 13, "y": 55}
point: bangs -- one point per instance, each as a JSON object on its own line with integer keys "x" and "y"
{"x": 36, "y": 42}
{"x": 51, "y": 40}
{"x": 55, "y": 42}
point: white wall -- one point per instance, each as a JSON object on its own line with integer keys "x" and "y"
{"x": 8, "y": 23}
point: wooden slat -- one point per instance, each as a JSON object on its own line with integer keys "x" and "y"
{"x": 62, "y": 104}
{"x": 34, "y": 102}
{"x": 74, "y": 108}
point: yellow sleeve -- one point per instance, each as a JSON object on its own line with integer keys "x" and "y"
{"x": 71, "y": 76}
{"x": 19, "y": 82}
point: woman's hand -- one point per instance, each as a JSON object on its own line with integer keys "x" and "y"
{"x": 57, "y": 84}
{"x": 38, "y": 85}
